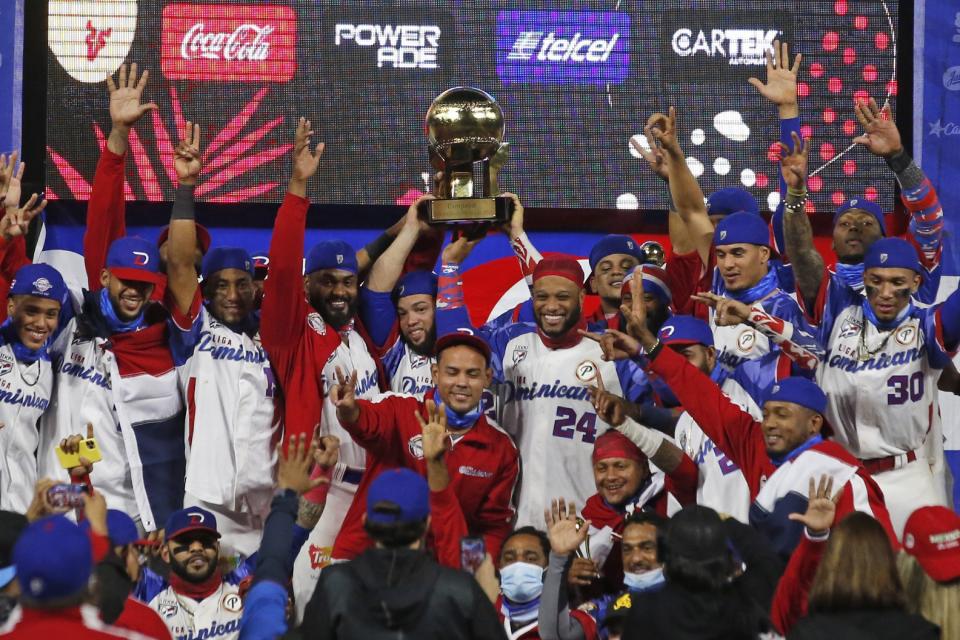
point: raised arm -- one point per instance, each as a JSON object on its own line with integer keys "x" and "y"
{"x": 684, "y": 189}
{"x": 565, "y": 537}
{"x": 106, "y": 208}
{"x": 181, "y": 270}
{"x": 808, "y": 265}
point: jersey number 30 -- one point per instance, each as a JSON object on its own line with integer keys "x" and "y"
{"x": 902, "y": 388}
{"x": 567, "y": 424}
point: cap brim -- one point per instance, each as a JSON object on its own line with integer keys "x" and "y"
{"x": 180, "y": 532}
{"x": 463, "y": 339}
{"x": 137, "y": 275}
{"x": 6, "y": 575}
{"x": 943, "y": 567}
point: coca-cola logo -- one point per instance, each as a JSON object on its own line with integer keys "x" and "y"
{"x": 238, "y": 43}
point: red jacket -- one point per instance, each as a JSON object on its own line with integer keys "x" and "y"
{"x": 790, "y": 599}
{"x": 61, "y": 623}
{"x": 298, "y": 345}
{"x": 483, "y": 466}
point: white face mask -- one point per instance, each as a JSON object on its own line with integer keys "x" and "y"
{"x": 521, "y": 581}
{"x": 643, "y": 581}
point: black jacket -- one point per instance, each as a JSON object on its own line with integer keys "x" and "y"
{"x": 874, "y": 624}
{"x": 398, "y": 594}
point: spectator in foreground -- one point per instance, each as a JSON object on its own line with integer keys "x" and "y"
{"x": 396, "y": 589}
{"x": 11, "y": 526}
{"x": 929, "y": 567}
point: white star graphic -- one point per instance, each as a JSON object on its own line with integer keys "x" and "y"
{"x": 936, "y": 129}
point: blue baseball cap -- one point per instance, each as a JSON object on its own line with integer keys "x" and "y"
{"x": 53, "y": 559}
{"x": 864, "y": 205}
{"x": 396, "y": 496}
{"x": 609, "y": 245}
{"x": 742, "y": 227}
{"x": 895, "y": 253}
{"x": 723, "y": 202}
{"x": 799, "y": 391}
{"x": 332, "y": 254}
{"x": 681, "y": 330}
{"x": 132, "y": 258}
{"x": 261, "y": 260}
{"x": 39, "y": 280}
{"x": 190, "y": 519}
{"x": 226, "y": 258}
{"x": 415, "y": 283}
{"x": 121, "y": 529}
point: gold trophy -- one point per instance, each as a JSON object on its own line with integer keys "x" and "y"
{"x": 465, "y": 129}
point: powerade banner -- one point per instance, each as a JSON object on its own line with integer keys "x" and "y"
{"x": 11, "y": 74}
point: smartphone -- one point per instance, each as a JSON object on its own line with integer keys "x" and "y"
{"x": 88, "y": 449}
{"x": 66, "y": 495}
{"x": 472, "y": 552}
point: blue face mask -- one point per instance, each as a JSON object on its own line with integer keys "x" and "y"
{"x": 643, "y": 581}
{"x": 521, "y": 581}
{"x": 850, "y": 274}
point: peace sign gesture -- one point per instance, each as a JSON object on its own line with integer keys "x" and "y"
{"x": 435, "y": 440}
{"x": 729, "y": 312}
{"x": 343, "y": 395}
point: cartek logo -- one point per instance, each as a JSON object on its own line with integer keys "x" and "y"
{"x": 560, "y": 47}
{"x": 239, "y": 43}
{"x": 738, "y": 46}
{"x": 401, "y": 46}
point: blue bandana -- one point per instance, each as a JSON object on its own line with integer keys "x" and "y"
{"x": 114, "y": 323}
{"x": 521, "y": 612}
{"x": 850, "y": 275}
{"x": 22, "y": 352}
{"x": 779, "y": 460}
{"x": 869, "y": 314}
{"x": 760, "y": 290}
{"x": 458, "y": 420}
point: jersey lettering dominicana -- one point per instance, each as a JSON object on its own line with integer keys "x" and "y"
{"x": 882, "y": 384}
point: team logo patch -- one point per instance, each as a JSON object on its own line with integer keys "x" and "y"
{"x": 746, "y": 340}
{"x": 317, "y": 324}
{"x": 519, "y": 353}
{"x": 140, "y": 258}
{"x": 339, "y": 258}
{"x": 42, "y": 285}
{"x": 667, "y": 331}
{"x": 232, "y": 602}
{"x": 168, "y": 609}
{"x": 319, "y": 556}
{"x": 5, "y": 368}
{"x": 849, "y": 328}
{"x": 473, "y": 472}
{"x": 908, "y": 541}
{"x": 587, "y": 371}
{"x": 630, "y": 245}
{"x": 906, "y": 335}
{"x": 417, "y": 361}
{"x": 883, "y": 258}
{"x": 415, "y": 447}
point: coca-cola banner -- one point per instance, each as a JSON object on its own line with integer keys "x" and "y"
{"x": 576, "y": 82}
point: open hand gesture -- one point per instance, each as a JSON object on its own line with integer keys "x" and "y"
{"x": 187, "y": 160}
{"x": 793, "y": 163}
{"x": 821, "y": 506}
{"x": 435, "y": 441}
{"x": 305, "y": 161}
{"x": 344, "y": 396}
{"x": 609, "y": 407}
{"x": 729, "y": 312}
{"x": 125, "y": 97}
{"x": 880, "y": 135}
{"x": 663, "y": 128}
{"x": 294, "y": 465}
{"x": 781, "y": 86}
{"x": 563, "y": 530}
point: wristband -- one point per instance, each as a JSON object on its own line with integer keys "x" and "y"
{"x": 796, "y": 194}
{"x": 899, "y": 161}
{"x": 647, "y": 440}
{"x": 376, "y": 247}
{"x": 183, "y": 205}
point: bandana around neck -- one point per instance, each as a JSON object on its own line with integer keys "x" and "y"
{"x": 767, "y": 284}
{"x": 850, "y": 274}
{"x": 457, "y": 420}
{"x": 115, "y": 324}
{"x": 870, "y": 315}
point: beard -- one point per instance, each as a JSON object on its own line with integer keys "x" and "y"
{"x": 334, "y": 317}
{"x": 425, "y": 348}
{"x": 196, "y": 578}
{"x": 655, "y": 320}
{"x": 570, "y": 323}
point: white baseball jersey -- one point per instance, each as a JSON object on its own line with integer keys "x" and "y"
{"x": 721, "y": 485}
{"x": 881, "y": 383}
{"x": 229, "y": 390}
{"x": 410, "y": 373}
{"x": 25, "y": 391}
{"x": 216, "y": 616}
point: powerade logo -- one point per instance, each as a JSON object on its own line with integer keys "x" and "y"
{"x": 563, "y": 47}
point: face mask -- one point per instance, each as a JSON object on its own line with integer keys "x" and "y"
{"x": 643, "y": 581}
{"x": 521, "y": 581}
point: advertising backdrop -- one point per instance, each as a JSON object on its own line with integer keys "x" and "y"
{"x": 576, "y": 81}
{"x": 11, "y": 74}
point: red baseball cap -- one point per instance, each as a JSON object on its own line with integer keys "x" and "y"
{"x": 563, "y": 266}
{"x": 932, "y": 536}
{"x": 465, "y": 339}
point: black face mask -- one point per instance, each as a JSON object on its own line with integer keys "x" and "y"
{"x": 7, "y": 605}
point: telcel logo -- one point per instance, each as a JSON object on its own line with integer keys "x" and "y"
{"x": 399, "y": 46}
{"x": 739, "y": 46}
{"x": 563, "y": 47}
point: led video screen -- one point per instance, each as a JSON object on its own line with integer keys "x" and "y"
{"x": 576, "y": 80}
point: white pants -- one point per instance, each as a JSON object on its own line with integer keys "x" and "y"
{"x": 240, "y": 531}
{"x": 907, "y": 489}
{"x": 316, "y": 551}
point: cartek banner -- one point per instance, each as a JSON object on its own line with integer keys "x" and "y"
{"x": 563, "y": 47}
{"x": 11, "y": 74}
{"x": 252, "y": 43}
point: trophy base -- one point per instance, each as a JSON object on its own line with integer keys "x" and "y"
{"x": 469, "y": 210}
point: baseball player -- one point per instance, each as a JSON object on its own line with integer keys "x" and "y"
{"x": 544, "y": 367}
{"x": 224, "y": 373}
{"x": 398, "y": 310}
{"x": 307, "y": 338}
{"x": 482, "y": 461}
{"x": 196, "y": 600}
{"x": 37, "y": 295}
{"x": 779, "y": 456}
{"x": 611, "y": 259}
